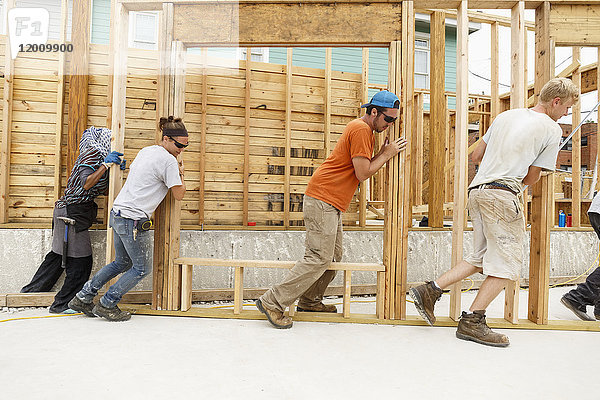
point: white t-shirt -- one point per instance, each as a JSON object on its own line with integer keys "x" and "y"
{"x": 516, "y": 140}
{"x": 153, "y": 172}
{"x": 595, "y": 206}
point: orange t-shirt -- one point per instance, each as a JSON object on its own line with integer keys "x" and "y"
{"x": 335, "y": 182}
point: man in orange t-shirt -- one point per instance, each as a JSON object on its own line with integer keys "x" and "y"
{"x": 327, "y": 195}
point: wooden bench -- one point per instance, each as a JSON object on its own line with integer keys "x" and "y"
{"x": 187, "y": 264}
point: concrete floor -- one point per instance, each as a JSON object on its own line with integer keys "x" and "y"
{"x": 173, "y": 357}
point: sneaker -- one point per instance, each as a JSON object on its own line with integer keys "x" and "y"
{"x": 276, "y": 318}
{"x": 578, "y": 309}
{"x": 424, "y": 297}
{"x": 80, "y": 306}
{"x": 328, "y": 308}
{"x": 472, "y": 326}
{"x": 111, "y": 314}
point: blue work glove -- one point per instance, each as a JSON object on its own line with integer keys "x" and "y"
{"x": 113, "y": 157}
{"x": 123, "y": 165}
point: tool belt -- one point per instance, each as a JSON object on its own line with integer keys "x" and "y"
{"x": 494, "y": 185}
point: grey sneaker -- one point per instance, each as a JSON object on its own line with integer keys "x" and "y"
{"x": 578, "y": 309}
{"x": 80, "y": 306}
{"x": 111, "y": 314}
{"x": 474, "y": 328}
{"x": 425, "y": 297}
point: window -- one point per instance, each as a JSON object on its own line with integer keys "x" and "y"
{"x": 260, "y": 54}
{"x": 143, "y": 30}
{"x": 422, "y": 62}
{"x": 583, "y": 141}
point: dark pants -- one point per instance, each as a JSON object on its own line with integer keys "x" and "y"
{"x": 77, "y": 271}
{"x": 588, "y": 292}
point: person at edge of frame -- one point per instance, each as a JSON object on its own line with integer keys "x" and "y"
{"x": 152, "y": 173}
{"x": 588, "y": 292}
{"x": 327, "y": 196}
{"x": 518, "y": 145}
{"x": 88, "y": 180}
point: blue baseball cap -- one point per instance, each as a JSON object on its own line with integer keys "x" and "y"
{"x": 383, "y": 99}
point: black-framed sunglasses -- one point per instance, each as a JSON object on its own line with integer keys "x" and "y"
{"x": 387, "y": 118}
{"x": 179, "y": 145}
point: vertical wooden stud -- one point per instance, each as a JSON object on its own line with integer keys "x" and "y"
{"x": 517, "y": 36}
{"x": 347, "y": 292}
{"x": 460, "y": 151}
{"x": 238, "y": 291}
{"x": 495, "y": 69}
{"x": 60, "y": 100}
{"x": 186, "y": 287}
{"x": 437, "y": 130}
{"x": 246, "y": 136}
{"x": 204, "y": 109}
{"x": 327, "y": 103}
{"x": 288, "y": 139}
{"x": 511, "y": 302}
{"x": 418, "y": 150}
{"x": 7, "y": 101}
{"x": 380, "y": 293}
{"x": 364, "y": 185}
{"x": 576, "y": 146}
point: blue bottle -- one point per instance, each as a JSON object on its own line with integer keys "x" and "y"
{"x": 561, "y": 219}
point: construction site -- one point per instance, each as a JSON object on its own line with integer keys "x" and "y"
{"x": 266, "y": 89}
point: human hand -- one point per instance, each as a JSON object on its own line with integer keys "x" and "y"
{"x": 123, "y": 165}
{"x": 181, "y": 168}
{"x": 393, "y": 148}
{"x": 113, "y": 157}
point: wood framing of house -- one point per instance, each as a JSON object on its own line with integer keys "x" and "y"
{"x": 250, "y": 23}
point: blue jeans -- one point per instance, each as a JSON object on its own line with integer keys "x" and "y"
{"x": 129, "y": 258}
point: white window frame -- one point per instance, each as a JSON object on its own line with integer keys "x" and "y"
{"x": 133, "y": 28}
{"x": 425, "y": 37}
{"x": 263, "y": 52}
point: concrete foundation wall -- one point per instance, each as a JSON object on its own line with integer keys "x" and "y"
{"x": 22, "y": 251}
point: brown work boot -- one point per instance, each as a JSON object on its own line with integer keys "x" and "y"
{"x": 275, "y": 317}
{"x": 474, "y": 328}
{"x": 424, "y": 297}
{"x": 330, "y": 308}
{"x": 112, "y": 313}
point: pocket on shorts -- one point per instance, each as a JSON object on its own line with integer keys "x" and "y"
{"x": 508, "y": 209}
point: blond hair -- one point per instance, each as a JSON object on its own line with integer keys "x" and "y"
{"x": 562, "y": 88}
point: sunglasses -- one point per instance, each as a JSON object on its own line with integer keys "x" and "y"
{"x": 179, "y": 145}
{"x": 387, "y": 118}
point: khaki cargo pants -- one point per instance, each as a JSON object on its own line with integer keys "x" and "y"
{"x": 309, "y": 278}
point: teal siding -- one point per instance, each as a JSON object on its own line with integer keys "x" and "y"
{"x": 101, "y": 21}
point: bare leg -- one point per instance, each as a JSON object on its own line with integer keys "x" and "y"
{"x": 490, "y": 288}
{"x": 457, "y": 274}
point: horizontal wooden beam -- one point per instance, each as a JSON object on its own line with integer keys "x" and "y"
{"x": 411, "y": 320}
{"x": 575, "y": 25}
{"x": 144, "y": 5}
{"x": 233, "y": 24}
{"x": 217, "y": 262}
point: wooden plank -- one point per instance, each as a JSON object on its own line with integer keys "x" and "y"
{"x": 380, "y": 293}
{"x": 277, "y": 24}
{"x": 406, "y": 70}
{"x": 364, "y": 185}
{"x": 219, "y": 262}
{"x": 517, "y": 84}
{"x": 511, "y": 302}
{"x": 327, "y": 104}
{"x": 60, "y": 101}
{"x": 7, "y": 100}
{"x": 347, "y": 288}
{"x": 460, "y": 152}
{"x": 576, "y": 147}
{"x": 495, "y": 70}
{"x": 186, "y": 287}
{"x": 288, "y": 138}
{"x": 575, "y": 24}
{"x": 78, "y": 78}
{"x": 203, "y": 129}
{"x": 238, "y": 297}
{"x": 437, "y": 137}
{"x": 247, "y": 135}
{"x": 418, "y": 150}
{"x": 119, "y": 38}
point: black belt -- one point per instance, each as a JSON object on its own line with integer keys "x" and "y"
{"x": 494, "y": 185}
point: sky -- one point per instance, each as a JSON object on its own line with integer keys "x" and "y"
{"x": 480, "y": 61}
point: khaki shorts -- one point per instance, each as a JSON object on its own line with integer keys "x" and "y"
{"x": 498, "y": 232}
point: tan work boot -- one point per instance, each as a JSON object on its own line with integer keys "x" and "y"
{"x": 425, "y": 297}
{"x": 275, "y": 317}
{"x": 474, "y": 328}
{"x": 329, "y": 308}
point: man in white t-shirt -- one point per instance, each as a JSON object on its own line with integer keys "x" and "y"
{"x": 152, "y": 173}
{"x": 516, "y": 148}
